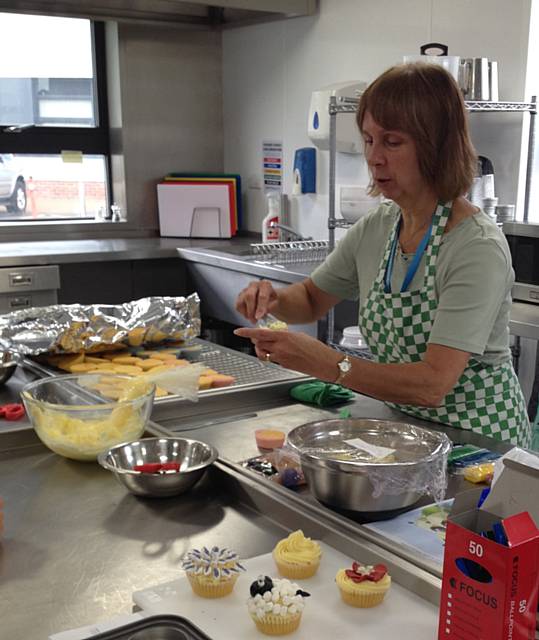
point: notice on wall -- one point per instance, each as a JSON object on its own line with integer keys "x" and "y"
{"x": 272, "y": 165}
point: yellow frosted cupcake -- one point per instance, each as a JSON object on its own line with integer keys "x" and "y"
{"x": 276, "y": 605}
{"x": 297, "y": 557}
{"x": 363, "y": 585}
{"x": 212, "y": 573}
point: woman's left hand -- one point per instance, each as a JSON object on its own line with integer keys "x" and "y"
{"x": 294, "y": 350}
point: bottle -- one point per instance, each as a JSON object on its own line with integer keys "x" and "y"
{"x": 273, "y": 206}
{"x": 353, "y": 342}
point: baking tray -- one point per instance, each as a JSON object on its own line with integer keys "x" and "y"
{"x": 161, "y": 627}
{"x": 248, "y": 371}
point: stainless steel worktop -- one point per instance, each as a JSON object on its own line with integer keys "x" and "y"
{"x": 65, "y": 251}
{"x": 238, "y": 259}
{"x": 76, "y": 545}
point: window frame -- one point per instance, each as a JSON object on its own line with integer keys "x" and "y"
{"x": 51, "y": 139}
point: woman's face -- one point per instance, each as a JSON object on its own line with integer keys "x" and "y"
{"x": 392, "y": 159}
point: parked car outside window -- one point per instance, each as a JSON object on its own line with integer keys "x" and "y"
{"x": 12, "y": 185}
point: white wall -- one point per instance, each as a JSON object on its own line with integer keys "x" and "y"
{"x": 166, "y": 111}
{"x": 270, "y": 70}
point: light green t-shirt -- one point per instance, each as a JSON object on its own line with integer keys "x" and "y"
{"x": 473, "y": 279}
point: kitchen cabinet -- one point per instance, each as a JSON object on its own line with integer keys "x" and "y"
{"x": 25, "y": 287}
{"x": 117, "y": 281}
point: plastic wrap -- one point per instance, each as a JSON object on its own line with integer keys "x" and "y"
{"x": 423, "y": 478}
{"x": 73, "y": 328}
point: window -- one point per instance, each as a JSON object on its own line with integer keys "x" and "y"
{"x": 54, "y": 145}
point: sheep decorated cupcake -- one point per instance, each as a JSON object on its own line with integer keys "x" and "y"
{"x": 363, "y": 585}
{"x": 212, "y": 573}
{"x": 297, "y": 557}
{"x": 276, "y": 605}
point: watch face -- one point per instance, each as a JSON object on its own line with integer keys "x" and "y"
{"x": 345, "y": 365}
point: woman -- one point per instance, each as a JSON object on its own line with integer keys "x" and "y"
{"x": 432, "y": 272}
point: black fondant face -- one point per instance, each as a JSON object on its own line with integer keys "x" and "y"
{"x": 261, "y": 585}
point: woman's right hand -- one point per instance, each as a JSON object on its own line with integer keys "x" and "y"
{"x": 256, "y": 300}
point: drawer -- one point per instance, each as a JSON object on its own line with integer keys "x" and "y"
{"x": 29, "y": 279}
{"x": 26, "y": 299}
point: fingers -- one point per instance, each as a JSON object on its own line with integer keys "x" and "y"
{"x": 254, "y": 300}
{"x": 260, "y": 353}
{"x": 266, "y": 295}
{"x": 247, "y": 301}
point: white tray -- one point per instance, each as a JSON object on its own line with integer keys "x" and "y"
{"x": 402, "y": 615}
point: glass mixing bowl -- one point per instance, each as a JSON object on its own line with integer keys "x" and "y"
{"x": 79, "y": 416}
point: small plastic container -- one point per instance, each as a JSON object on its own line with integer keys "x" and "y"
{"x": 505, "y": 212}
{"x": 489, "y": 206}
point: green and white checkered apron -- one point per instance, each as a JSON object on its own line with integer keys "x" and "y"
{"x": 487, "y": 399}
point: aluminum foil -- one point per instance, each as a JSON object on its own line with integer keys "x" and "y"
{"x": 69, "y": 328}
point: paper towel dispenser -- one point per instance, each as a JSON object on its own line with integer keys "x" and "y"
{"x": 348, "y": 138}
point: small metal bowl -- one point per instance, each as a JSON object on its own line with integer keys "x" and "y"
{"x": 8, "y": 364}
{"x": 193, "y": 456}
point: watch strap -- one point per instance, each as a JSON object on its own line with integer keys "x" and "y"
{"x": 344, "y": 365}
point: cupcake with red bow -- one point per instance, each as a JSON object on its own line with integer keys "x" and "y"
{"x": 363, "y": 585}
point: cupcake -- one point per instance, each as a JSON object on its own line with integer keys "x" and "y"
{"x": 363, "y": 585}
{"x": 212, "y": 574}
{"x": 297, "y": 557}
{"x": 276, "y": 605}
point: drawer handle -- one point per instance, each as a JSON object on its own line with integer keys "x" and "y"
{"x": 20, "y": 303}
{"x": 20, "y": 279}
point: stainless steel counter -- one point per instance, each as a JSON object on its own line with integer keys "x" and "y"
{"x": 524, "y": 320}
{"x": 239, "y": 260}
{"x": 76, "y": 545}
{"x": 65, "y": 251}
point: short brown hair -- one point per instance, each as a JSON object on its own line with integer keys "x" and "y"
{"x": 425, "y": 102}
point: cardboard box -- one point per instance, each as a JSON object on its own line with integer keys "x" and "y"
{"x": 489, "y": 590}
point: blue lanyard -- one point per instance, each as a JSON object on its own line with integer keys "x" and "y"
{"x": 412, "y": 268}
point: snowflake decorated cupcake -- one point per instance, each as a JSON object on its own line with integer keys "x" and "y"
{"x": 363, "y": 585}
{"x": 276, "y": 605}
{"x": 297, "y": 557}
{"x": 212, "y": 573}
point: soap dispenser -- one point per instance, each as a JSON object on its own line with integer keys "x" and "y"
{"x": 271, "y": 233}
{"x": 304, "y": 171}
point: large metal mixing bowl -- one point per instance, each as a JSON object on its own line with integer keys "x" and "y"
{"x": 342, "y": 476}
{"x": 193, "y": 456}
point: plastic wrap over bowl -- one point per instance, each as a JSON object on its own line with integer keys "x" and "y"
{"x": 342, "y": 475}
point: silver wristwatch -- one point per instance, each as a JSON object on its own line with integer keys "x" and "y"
{"x": 344, "y": 367}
